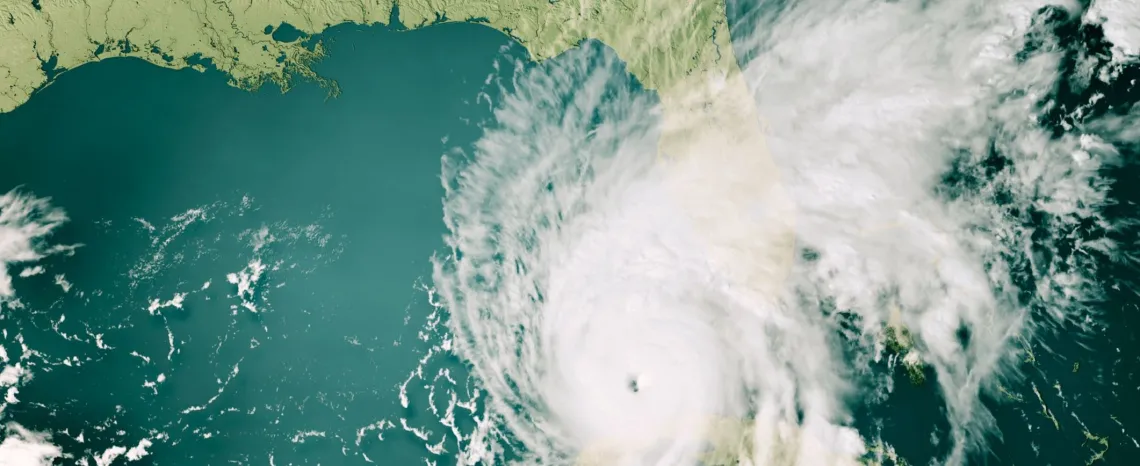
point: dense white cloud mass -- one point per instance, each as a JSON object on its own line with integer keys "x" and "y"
{"x": 25, "y": 222}
{"x": 22, "y": 447}
{"x": 1121, "y": 21}
{"x": 931, "y": 209}
{"x": 617, "y": 305}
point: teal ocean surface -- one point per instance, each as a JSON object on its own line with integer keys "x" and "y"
{"x": 260, "y": 278}
{"x": 329, "y": 209}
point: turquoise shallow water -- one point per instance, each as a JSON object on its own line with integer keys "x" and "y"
{"x": 348, "y": 189}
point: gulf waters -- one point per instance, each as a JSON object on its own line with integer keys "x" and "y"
{"x": 173, "y": 180}
{"x": 251, "y": 285}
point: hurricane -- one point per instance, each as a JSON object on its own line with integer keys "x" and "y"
{"x": 942, "y": 172}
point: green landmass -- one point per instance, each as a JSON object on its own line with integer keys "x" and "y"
{"x": 662, "y": 41}
{"x": 1030, "y": 356}
{"x": 1099, "y": 440}
{"x": 880, "y": 453}
{"x": 1010, "y": 396}
{"x": 1045, "y": 408}
{"x": 897, "y": 340}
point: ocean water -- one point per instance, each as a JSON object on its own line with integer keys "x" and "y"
{"x": 468, "y": 258}
{"x": 171, "y": 181}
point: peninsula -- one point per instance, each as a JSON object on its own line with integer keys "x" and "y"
{"x": 711, "y": 139}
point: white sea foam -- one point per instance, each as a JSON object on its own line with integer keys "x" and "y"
{"x": 928, "y": 199}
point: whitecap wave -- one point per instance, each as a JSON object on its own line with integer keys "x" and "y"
{"x": 939, "y": 221}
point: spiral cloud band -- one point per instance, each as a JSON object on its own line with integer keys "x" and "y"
{"x": 620, "y": 306}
